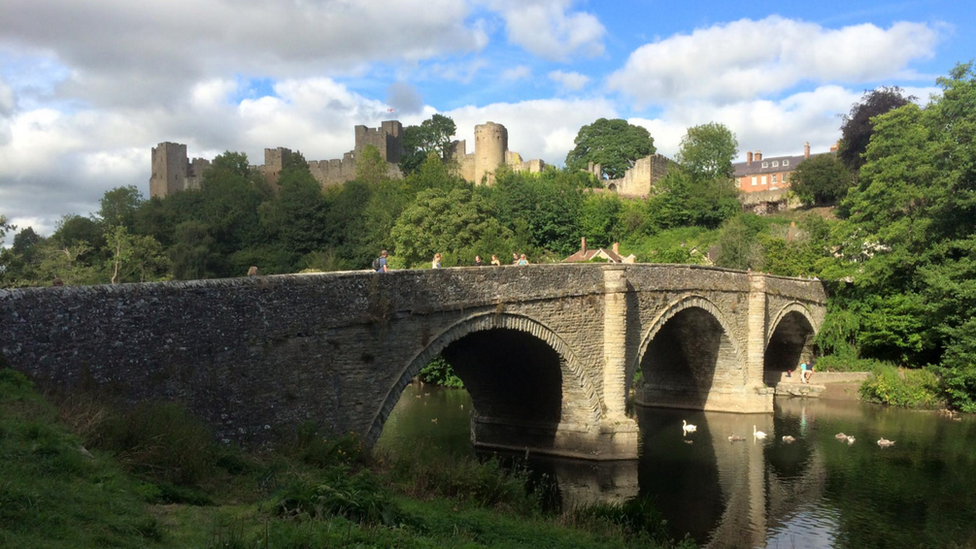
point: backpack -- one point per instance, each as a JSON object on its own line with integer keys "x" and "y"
{"x": 376, "y": 264}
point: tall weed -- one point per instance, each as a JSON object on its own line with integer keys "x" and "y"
{"x": 903, "y": 387}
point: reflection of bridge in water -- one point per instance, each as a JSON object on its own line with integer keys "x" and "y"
{"x": 725, "y": 494}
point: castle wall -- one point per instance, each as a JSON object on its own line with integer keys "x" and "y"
{"x": 640, "y": 179}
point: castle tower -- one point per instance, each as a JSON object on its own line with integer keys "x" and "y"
{"x": 274, "y": 161}
{"x": 388, "y": 140}
{"x": 169, "y": 169}
{"x": 490, "y": 145}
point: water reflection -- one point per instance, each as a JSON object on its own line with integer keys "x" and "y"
{"x": 816, "y": 492}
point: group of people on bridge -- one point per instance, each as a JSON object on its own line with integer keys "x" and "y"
{"x": 381, "y": 265}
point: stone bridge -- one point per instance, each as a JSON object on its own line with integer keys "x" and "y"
{"x": 547, "y": 352}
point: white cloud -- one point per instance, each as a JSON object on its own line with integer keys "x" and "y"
{"x": 571, "y": 81}
{"x": 122, "y": 52}
{"x": 548, "y": 29}
{"x": 746, "y": 59}
{"x": 516, "y": 73}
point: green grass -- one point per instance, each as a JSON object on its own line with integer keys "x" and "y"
{"x": 51, "y": 493}
{"x": 153, "y": 477}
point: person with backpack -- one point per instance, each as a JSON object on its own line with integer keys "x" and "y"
{"x": 379, "y": 264}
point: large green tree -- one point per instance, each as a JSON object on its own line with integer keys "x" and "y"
{"x": 614, "y": 144}
{"x": 707, "y": 151}
{"x": 820, "y": 180}
{"x": 457, "y": 223}
{"x": 431, "y": 136}
{"x": 857, "y": 129}
{"x": 119, "y": 206}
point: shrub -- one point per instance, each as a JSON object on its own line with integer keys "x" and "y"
{"x": 321, "y": 448}
{"x": 901, "y": 387}
{"x": 356, "y": 497}
{"x": 440, "y": 372}
{"x": 159, "y": 441}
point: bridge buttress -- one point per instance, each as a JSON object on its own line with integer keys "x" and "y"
{"x": 756, "y": 345}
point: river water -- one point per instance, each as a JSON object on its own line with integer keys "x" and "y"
{"x": 815, "y": 492}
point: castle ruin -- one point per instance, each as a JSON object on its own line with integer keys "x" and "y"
{"x": 638, "y": 181}
{"x": 490, "y": 151}
{"x": 172, "y": 171}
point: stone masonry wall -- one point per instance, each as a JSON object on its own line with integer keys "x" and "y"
{"x": 253, "y": 354}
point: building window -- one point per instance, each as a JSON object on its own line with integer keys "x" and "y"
{"x": 775, "y": 163}
{"x": 754, "y": 179}
{"x": 774, "y": 179}
{"x": 786, "y": 162}
{"x": 765, "y": 164}
{"x": 764, "y": 180}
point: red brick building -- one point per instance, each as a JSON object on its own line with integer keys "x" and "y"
{"x": 768, "y": 174}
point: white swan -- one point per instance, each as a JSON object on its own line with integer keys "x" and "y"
{"x": 757, "y": 434}
{"x": 884, "y": 443}
{"x": 850, "y": 440}
{"x": 687, "y": 427}
{"x": 788, "y": 439}
{"x": 840, "y": 436}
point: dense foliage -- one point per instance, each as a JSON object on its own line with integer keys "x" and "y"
{"x": 857, "y": 129}
{"x": 820, "y": 180}
{"x": 614, "y": 144}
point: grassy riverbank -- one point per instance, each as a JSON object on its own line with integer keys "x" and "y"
{"x": 81, "y": 474}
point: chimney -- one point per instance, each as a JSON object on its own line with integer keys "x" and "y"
{"x": 616, "y": 248}
{"x": 806, "y": 150}
{"x": 583, "y": 245}
{"x": 748, "y": 158}
{"x": 758, "y": 156}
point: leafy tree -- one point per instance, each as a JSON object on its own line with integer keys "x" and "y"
{"x": 457, "y": 223}
{"x": 545, "y": 207}
{"x": 297, "y": 216}
{"x": 432, "y": 136}
{"x": 614, "y": 144}
{"x": 5, "y": 227}
{"x": 820, "y": 180}
{"x": 599, "y": 218}
{"x": 739, "y": 247}
{"x": 192, "y": 253}
{"x": 119, "y": 206}
{"x": 65, "y": 262}
{"x": 134, "y": 258}
{"x": 857, "y": 129}
{"x": 370, "y": 166}
{"x": 707, "y": 151}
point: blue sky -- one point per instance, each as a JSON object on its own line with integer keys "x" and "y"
{"x": 87, "y": 88}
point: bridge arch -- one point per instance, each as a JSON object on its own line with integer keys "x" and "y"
{"x": 789, "y": 339}
{"x": 573, "y": 377}
{"x": 687, "y": 347}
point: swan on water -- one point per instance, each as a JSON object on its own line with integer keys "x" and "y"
{"x": 884, "y": 443}
{"x": 840, "y": 436}
{"x": 687, "y": 427}
{"x": 788, "y": 439}
{"x": 757, "y": 434}
{"x": 736, "y": 438}
{"x": 850, "y": 440}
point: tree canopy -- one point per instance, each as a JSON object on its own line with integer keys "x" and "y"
{"x": 707, "y": 151}
{"x": 857, "y": 129}
{"x": 431, "y": 136}
{"x": 820, "y": 180}
{"x": 614, "y": 144}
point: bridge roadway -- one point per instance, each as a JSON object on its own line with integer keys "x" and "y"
{"x": 547, "y": 352}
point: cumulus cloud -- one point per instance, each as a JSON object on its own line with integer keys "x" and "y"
{"x": 571, "y": 81}
{"x": 549, "y": 29}
{"x": 516, "y": 73}
{"x": 133, "y": 53}
{"x": 746, "y": 59}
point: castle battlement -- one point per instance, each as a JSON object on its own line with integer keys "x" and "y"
{"x": 173, "y": 172}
